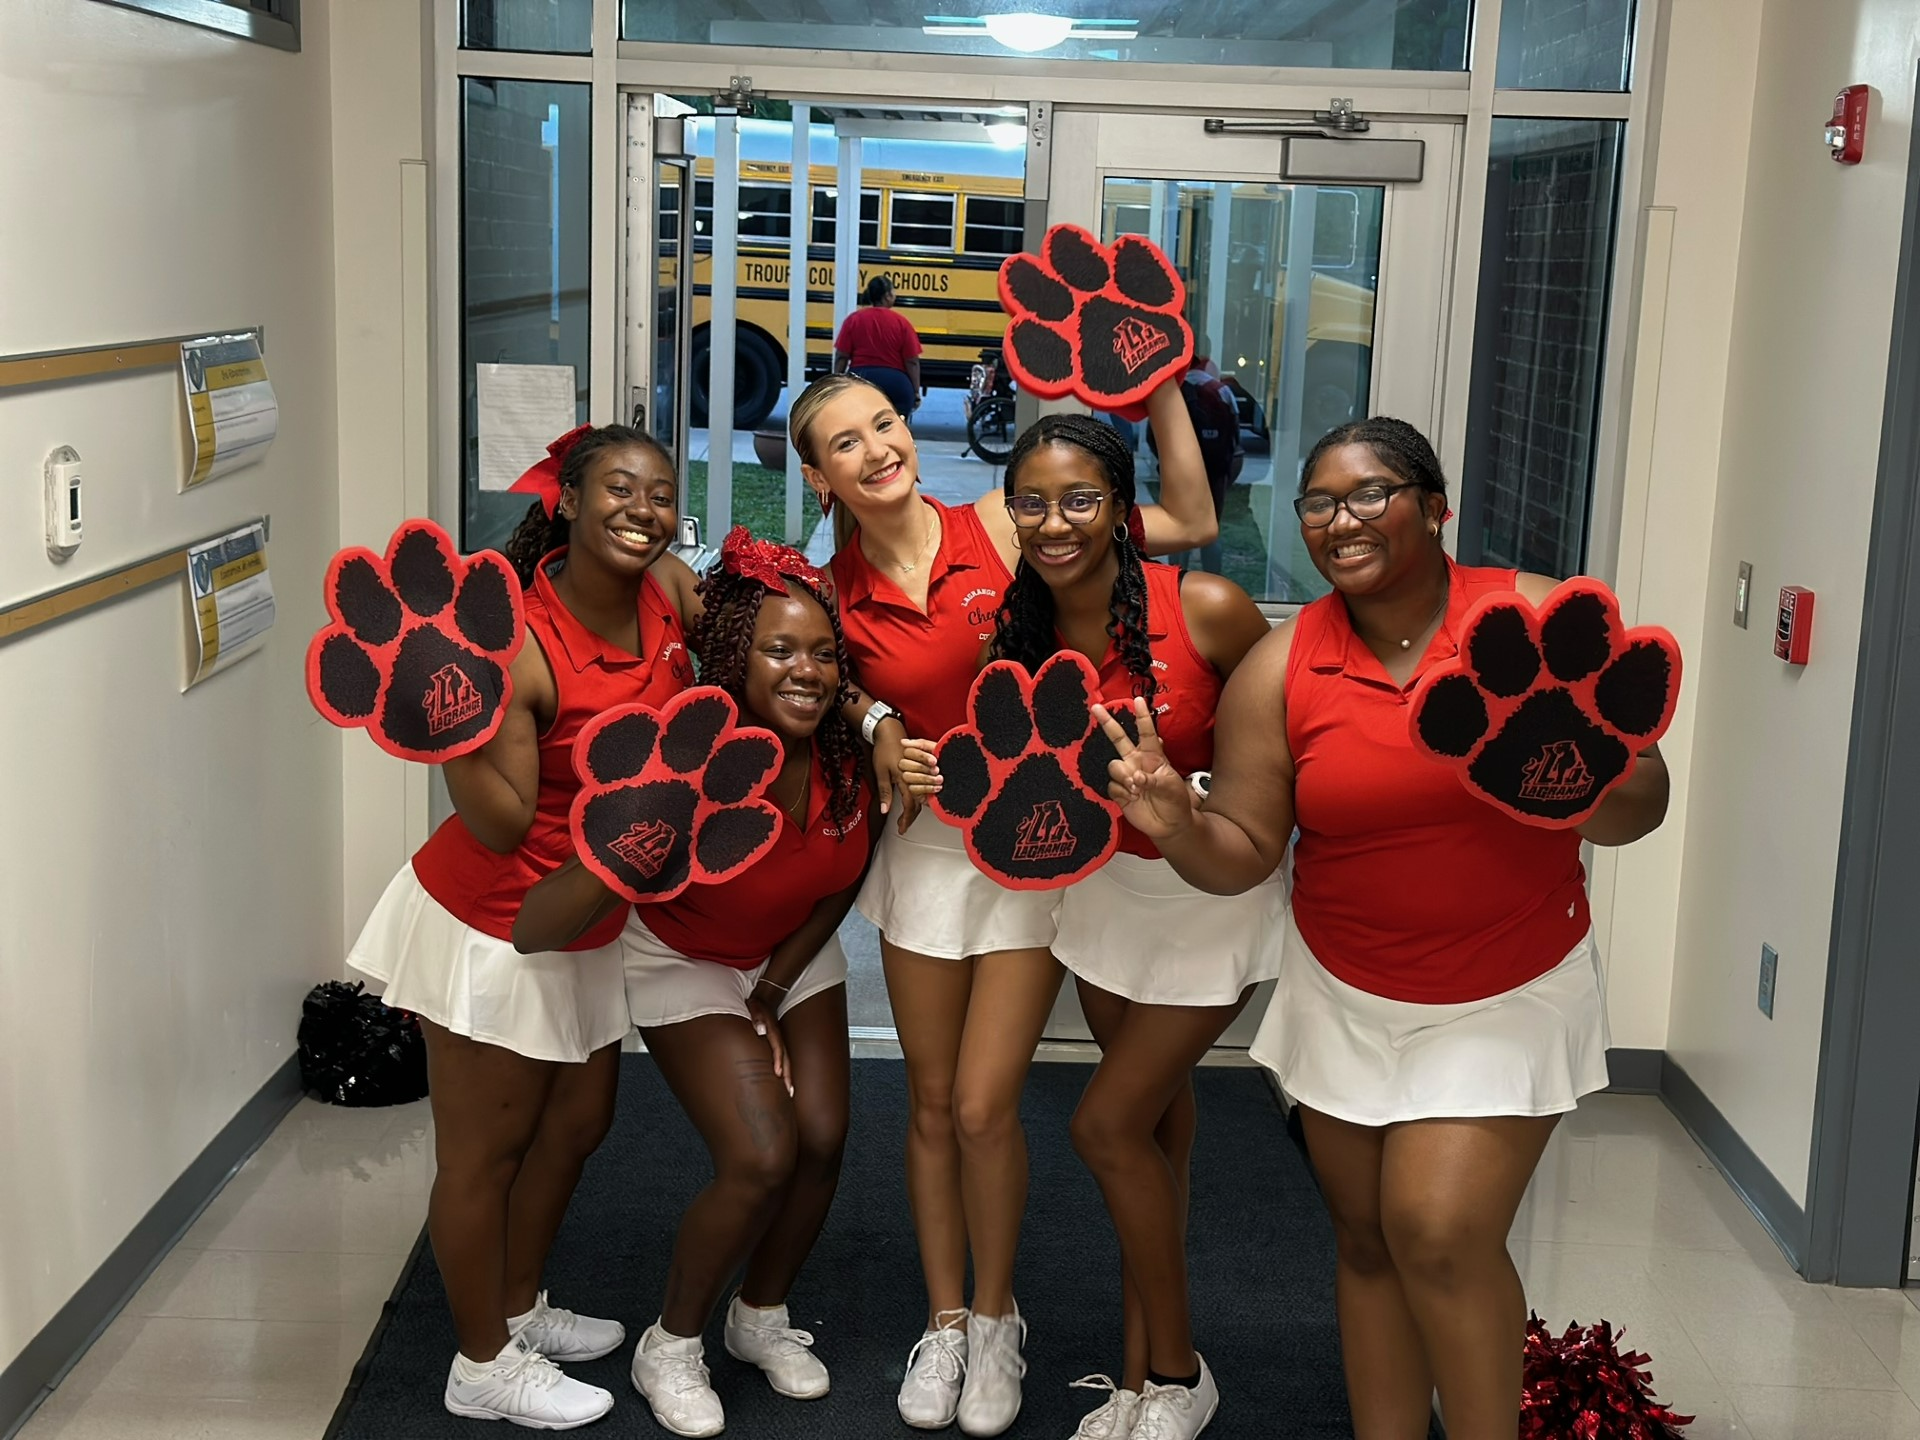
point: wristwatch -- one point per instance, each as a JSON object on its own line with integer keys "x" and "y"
{"x": 1200, "y": 782}
{"x": 876, "y": 712}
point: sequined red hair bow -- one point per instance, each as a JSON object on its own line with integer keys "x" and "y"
{"x": 543, "y": 478}
{"x": 772, "y": 565}
{"x": 1137, "y": 529}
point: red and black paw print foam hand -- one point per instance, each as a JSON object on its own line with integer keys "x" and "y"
{"x": 1543, "y": 711}
{"x": 419, "y": 643}
{"x": 1099, "y": 322}
{"x": 1011, "y": 777}
{"x": 672, "y": 797}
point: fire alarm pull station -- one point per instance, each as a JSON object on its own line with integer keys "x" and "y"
{"x": 1793, "y": 631}
{"x": 1847, "y": 130}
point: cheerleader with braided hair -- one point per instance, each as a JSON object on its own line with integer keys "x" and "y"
{"x": 739, "y": 989}
{"x": 1161, "y": 968}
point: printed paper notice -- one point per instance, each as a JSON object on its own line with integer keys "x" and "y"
{"x": 231, "y": 409}
{"x": 523, "y": 409}
{"x": 232, "y": 597}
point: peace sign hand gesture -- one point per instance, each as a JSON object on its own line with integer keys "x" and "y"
{"x": 1151, "y": 794}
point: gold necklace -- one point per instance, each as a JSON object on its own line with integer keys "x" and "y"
{"x": 1438, "y": 611}
{"x": 797, "y": 812}
{"x": 907, "y": 567}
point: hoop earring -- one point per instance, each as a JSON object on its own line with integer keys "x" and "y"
{"x": 1120, "y": 536}
{"x": 1432, "y": 529}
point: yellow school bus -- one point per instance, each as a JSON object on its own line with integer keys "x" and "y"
{"x": 938, "y": 218}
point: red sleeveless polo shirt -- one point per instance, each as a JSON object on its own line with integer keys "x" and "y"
{"x": 1405, "y": 885}
{"x": 739, "y": 921}
{"x": 1187, "y": 689}
{"x": 483, "y": 888}
{"x": 923, "y": 664}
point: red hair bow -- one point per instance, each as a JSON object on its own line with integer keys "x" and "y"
{"x": 1137, "y": 530}
{"x": 772, "y": 565}
{"x": 543, "y": 479}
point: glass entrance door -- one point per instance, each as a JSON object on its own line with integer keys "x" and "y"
{"x": 1311, "y": 305}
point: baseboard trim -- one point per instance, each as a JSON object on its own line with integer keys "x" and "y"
{"x": 32, "y": 1374}
{"x": 1752, "y": 1181}
{"x": 1634, "y": 1072}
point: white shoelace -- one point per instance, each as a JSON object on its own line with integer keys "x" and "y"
{"x": 683, "y": 1374}
{"x": 942, "y": 1344}
{"x": 552, "y": 1317}
{"x": 1099, "y": 1424}
{"x": 533, "y": 1370}
{"x": 1002, "y": 1355}
{"x": 1152, "y": 1420}
{"x": 788, "y": 1338}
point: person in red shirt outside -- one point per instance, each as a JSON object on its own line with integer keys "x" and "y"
{"x": 739, "y": 991}
{"x": 970, "y": 977}
{"x": 523, "y": 1051}
{"x": 1162, "y": 969}
{"x": 879, "y": 344}
{"x": 1439, "y": 1003}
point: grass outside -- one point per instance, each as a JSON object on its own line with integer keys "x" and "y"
{"x": 759, "y": 501}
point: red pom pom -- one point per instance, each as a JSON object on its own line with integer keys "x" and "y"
{"x": 1578, "y": 1386}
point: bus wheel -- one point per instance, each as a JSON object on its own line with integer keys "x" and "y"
{"x": 758, "y": 375}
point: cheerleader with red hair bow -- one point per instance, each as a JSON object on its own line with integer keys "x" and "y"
{"x": 738, "y": 987}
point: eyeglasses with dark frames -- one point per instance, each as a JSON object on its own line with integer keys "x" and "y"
{"x": 1367, "y": 502}
{"x": 1076, "y": 507}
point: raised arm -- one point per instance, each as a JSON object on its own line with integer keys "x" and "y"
{"x": 495, "y": 788}
{"x": 1184, "y": 519}
{"x": 562, "y": 908}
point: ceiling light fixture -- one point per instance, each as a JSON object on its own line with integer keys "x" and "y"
{"x": 1029, "y": 31}
{"x": 1007, "y": 134}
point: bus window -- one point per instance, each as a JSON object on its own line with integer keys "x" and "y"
{"x": 825, "y": 201}
{"x": 1336, "y": 230}
{"x": 994, "y": 226}
{"x": 669, "y": 212}
{"x": 918, "y": 221}
{"x": 763, "y": 210}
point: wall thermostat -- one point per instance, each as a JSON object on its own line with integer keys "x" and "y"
{"x": 63, "y": 502}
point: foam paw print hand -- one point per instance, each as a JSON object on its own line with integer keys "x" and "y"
{"x": 1100, "y": 322}
{"x": 418, "y": 644}
{"x": 1012, "y": 776}
{"x": 673, "y": 797}
{"x": 1543, "y": 712}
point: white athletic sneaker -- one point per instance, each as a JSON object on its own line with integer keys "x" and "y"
{"x": 990, "y": 1400}
{"x": 1114, "y": 1419}
{"x": 672, "y": 1373}
{"x": 562, "y": 1335}
{"x": 763, "y": 1338}
{"x": 936, "y": 1365}
{"x": 523, "y": 1386}
{"x": 1173, "y": 1412}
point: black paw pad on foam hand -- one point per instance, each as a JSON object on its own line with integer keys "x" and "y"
{"x": 1099, "y": 322}
{"x": 673, "y": 797}
{"x": 1542, "y": 712}
{"x": 418, "y": 644}
{"x": 1011, "y": 777}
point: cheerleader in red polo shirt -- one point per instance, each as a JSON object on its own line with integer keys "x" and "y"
{"x": 1439, "y": 1004}
{"x": 523, "y": 1050}
{"x": 739, "y": 990}
{"x": 969, "y": 974}
{"x": 1162, "y": 968}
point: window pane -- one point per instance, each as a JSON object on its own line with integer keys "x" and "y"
{"x": 563, "y": 27}
{"x": 1545, "y": 275}
{"x": 921, "y": 222}
{"x": 1565, "y": 44}
{"x": 1285, "y": 350}
{"x": 825, "y": 203}
{"x": 524, "y": 257}
{"x": 995, "y": 227}
{"x": 1382, "y": 35}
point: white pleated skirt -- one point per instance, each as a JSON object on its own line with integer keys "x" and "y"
{"x": 1136, "y": 929}
{"x": 1369, "y": 1060}
{"x": 924, "y": 894}
{"x": 557, "y": 1005}
{"x": 664, "y": 987}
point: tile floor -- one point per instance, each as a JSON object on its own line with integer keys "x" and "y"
{"x": 248, "y": 1330}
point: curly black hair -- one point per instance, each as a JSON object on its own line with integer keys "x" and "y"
{"x": 1024, "y": 630}
{"x": 722, "y": 640}
{"x": 1397, "y": 445}
{"x": 540, "y": 534}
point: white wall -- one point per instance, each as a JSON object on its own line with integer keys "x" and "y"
{"x": 1799, "y": 439}
{"x": 170, "y": 865}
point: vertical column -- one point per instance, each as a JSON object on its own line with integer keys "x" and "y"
{"x": 1290, "y": 392}
{"x": 722, "y": 328}
{"x": 1219, "y": 255}
{"x": 846, "y": 233}
{"x": 799, "y": 235}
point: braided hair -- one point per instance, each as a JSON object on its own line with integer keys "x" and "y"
{"x": 722, "y": 639}
{"x": 540, "y": 534}
{"x": 1395, "y": 443}
{"x": 1024, "y": 630}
